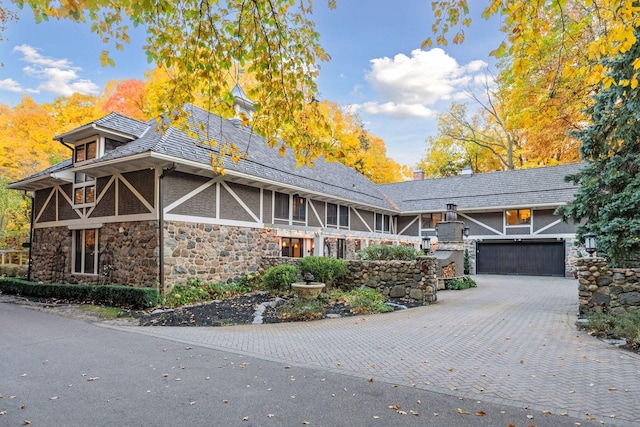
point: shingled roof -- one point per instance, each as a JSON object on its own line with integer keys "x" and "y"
{"x": 526, "y": 187}
{"x": 523, "y": 187}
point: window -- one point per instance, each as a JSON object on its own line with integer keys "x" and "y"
{"x": 337, "y": 215}
{"x": 85, "y": 251}
{"x": 431, "y": 220}
{"x": 344, "y": 216}
{"x": 292, "y": 247}
{"x": 84, "y": 189}
{"x": 281, "y": 206}
{"x": 85, "y": 151}
{"x": 382, "y": 222}
{"x": 332, "y": 214}
{"x": 518, "y": 217}
{"x": 299, "y": 208}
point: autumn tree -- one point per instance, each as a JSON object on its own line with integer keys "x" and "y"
{"x": 608, "y": 199}
{"x": 126, "y": 97}
{"x": 14, "y": 217}
{"x": 201, "y": 42}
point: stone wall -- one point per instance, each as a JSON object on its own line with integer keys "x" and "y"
{"x": 127, "y": 255}
{"x": 408, "y": 279}
{"x": 215, "y": 253}
{"x": 616, "y": 290}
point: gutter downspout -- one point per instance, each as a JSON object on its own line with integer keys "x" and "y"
{"x": 30, "y": 236}
{"x": 165, "y": 172}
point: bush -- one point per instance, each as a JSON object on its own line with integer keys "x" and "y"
{"x": 459, "y": 284}
{"x": 324, "y": 269}
{"x": 280, "y": 277}
{"x": 388, "y": 253}
{"x": 123, "y": 296}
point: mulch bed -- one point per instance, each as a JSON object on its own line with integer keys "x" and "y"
{"x": 235, "y": 311}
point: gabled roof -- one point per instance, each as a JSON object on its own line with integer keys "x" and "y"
{"x": 333, "y": 180}
{"x": 113, "y": 123}
{"x": 524, "y": 187}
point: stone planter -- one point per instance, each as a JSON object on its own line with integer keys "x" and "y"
{"x": 306, "y": 290}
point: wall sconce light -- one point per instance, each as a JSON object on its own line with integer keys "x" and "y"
{"x": 426, "y": 244}
{"x": 590, "y": 243}
{"x": 465, "y": 232}
{"x": 284, "y": 244}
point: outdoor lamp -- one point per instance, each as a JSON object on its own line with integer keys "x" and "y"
{"x": 590, "y": 243}
{"x": 426, "y": 244}
{"x": 465, "y": 231}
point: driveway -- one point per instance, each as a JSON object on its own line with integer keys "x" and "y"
{"x": 511, "y": 341}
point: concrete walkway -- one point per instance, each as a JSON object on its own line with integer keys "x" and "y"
{"x": 511, "y": 341}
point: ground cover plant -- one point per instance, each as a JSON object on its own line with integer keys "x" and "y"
{"x": 388, "y": 253}
{"x": 611, "y": 326}
{"x": 458, "y": 284}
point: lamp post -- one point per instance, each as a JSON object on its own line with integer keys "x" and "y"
{"x": 426, "y": 245}
{"x": 590, "y": 243}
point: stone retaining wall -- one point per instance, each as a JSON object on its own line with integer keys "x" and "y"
{"x": 408, "y": 279}
{"x": 610, "y": 289}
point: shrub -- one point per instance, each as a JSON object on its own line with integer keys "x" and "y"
{"x": 280, "y": 277}
{"x": 459, "y": 284}
{"x": 125, "y": 296}
{"x": 388, "y": 253}
{"x": 324, "y": 269}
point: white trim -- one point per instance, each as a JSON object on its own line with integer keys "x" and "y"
{"x": 214, "y": 221}
{"x": 417, "y": 217}
{"x": 217, "y": 213}
{"x": 100, "y": 196}
{"x": 135, "y": 192}
{"x": 86, "y": 225}
{"x": 235, "y": 196}
{"x": 561, "y": 236}
{"x": 315, "y": 212}
{"x": 103, "y": 219}
{"x": 190, "y": 195}
{"x": 548, "y": 226}
{"x": 261, "y": 204}
{"x": 362, "y": 219}
{"x": 482, "y": 224}
{"x": 53, "y": 191}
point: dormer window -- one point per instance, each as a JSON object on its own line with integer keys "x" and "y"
{"x": 85, "y": 151}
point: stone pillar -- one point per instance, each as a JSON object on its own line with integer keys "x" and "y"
{"x": 450, "y": 250}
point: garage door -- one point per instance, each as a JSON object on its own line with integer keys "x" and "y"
{"x": 524, "y": 258}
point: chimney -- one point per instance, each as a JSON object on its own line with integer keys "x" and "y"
{"x": 242, "y": 104}
{"x": 418, "y": 175}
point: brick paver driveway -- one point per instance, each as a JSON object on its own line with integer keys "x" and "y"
{"x": 512, "y": 341}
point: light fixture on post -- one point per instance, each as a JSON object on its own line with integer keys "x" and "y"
{"x": 426, "y": 244}
{"x": 590, "y": 243}
{"x": 465, "y": 232}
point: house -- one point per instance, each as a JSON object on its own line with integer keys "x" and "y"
{"x": 134, "y": 205}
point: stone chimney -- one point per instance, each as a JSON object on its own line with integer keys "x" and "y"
{"x": 418, "y": 175}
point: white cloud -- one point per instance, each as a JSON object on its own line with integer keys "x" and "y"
{"x": 10, "y": 85}
{"x": 398, "y": 110}
{"x": 57, "y": 76}
{"x": 407, "y": 86}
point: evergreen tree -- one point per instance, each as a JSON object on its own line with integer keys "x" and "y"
{"x": 608, "y": 199}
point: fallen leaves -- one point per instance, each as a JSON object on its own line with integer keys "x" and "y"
{"x": 462, "y": 411}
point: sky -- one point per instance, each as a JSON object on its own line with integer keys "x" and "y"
{"x": 377, "y": 68}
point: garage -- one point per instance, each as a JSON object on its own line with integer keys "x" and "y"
{"x": 533, "y": 258}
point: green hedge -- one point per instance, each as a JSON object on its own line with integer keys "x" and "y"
{"x": 121, "y": 296}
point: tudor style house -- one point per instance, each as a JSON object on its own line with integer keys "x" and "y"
{"x": 137, "y": 206}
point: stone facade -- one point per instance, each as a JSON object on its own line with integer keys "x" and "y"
{"x": 609, "y": 289}
{"x": 128, "y": 255}
{"x": 215, "y": 253}
{"x": 407, "y": 279}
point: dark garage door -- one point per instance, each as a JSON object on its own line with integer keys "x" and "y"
{"x": 524, "y": 258}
